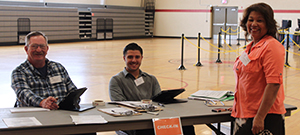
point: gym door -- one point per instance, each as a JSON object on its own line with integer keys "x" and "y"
{"x": 224, "y": 17}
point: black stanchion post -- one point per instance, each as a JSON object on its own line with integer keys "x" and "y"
{"x": 245, "y": 42}
{"x": 238, "y": 36}
{"x": 220, "y": 32}
{"x": 181, "y": 67}
{"x": 219, "y": 44}
{"x": 229, "y": 36}
{"x": 199, "y": 63}
{"x": 287, "y": 48}
{"x": 297, "y": 39}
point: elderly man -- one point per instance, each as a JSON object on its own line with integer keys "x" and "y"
{"x": 39, "y": 81}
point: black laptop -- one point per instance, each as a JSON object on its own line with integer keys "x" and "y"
{"x": 167, "y": 96}
{"x": 71, "y": 101}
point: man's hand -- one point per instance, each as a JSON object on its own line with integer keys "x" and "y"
{"x": 49, "y": 103}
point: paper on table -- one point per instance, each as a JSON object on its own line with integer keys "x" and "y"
{"x": 21, "y": 122}
{"x": 28, "y": 109}
{"x": 211, "y": 94}
{"x": 119, "y": 111}
{"x": 87, "y": 119}
{"x": 116, "y": 110}
{"x": 133, "y": 104}
{"x": 202, "y": 99}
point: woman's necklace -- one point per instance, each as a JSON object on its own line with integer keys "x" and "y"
{"x": 253, "y": 44}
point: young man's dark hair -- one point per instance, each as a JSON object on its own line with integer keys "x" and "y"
{"x": 132, "y": 46}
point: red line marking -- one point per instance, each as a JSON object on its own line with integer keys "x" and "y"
{"x": 209, "y": 10}
{"x": 182, "y": 10}
{"x": 186, "y": 84}
{"x": 293, "y": 98}
{"x": 277, "y": 11}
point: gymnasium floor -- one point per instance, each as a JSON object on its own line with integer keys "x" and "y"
{"x": 91, "y": 64}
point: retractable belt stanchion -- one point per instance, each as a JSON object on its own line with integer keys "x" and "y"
{"x": 287, "y": 48}
{"x": 219, "y": 36}
{"x": 199, "y": 63}
{"x": 219, "y": 45}
{"x": 238, "y": 36}
{"x": 229, "y": 36}
{"x": 181, "y": 67}
{"x": 245, "y": 43}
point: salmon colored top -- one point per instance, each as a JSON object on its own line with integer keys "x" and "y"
{"x": 266, "y": 66}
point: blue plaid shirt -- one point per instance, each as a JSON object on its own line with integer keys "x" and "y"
{"x": 31, "y": 87}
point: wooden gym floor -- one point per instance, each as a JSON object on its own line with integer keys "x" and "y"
{"x": 91, "y": 64}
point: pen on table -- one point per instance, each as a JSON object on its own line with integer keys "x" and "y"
{"x": 212, "y": 101}
{"x": 134, "y": 105}
{"x": 54, "y": 101}
{"x": 222, "y": 103}
{"x": 160, "y": 104}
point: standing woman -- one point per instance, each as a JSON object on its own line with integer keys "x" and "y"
{"x": 259, "y": 95}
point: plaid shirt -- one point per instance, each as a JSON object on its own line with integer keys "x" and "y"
{"x": 31, "y": 88}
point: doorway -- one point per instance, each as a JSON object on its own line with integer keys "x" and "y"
{"x": 23, "y": 29}
{"x": 224, "y": 18}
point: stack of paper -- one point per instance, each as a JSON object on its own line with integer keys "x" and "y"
{"x": 21, "y": 122}
{"x": 212, "y": 95}
{"x": 88, "y": 119}
{"x": 28, "y": 109}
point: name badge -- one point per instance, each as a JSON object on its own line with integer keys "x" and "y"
{"x": 55, "y": 79}
{"x": 244, "y": 58}
{"x": 139, "y": 81}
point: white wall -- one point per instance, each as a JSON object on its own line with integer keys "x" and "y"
{"x": 174, "y": 24}
{"x": 134, "y": 3}
{"x": 190, "y": 23}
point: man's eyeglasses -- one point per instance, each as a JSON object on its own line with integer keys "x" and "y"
{"x": 42, "y": 46}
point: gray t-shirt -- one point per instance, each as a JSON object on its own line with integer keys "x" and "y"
{"x": 122, "y": 87}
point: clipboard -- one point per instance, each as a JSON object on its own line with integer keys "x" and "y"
{"x": 119, "y": 111}
{"x": 135, "y": 105}
{"x": 213, "y": 102}
{"x": 218, "y": 103}
{"x": 71, "y": 101}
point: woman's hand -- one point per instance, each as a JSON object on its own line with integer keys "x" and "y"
{"x": 257, "y": 125}
{"x": 268, "y": 100}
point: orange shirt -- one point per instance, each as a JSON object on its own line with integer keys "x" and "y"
{"x": 266, "y": 66}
